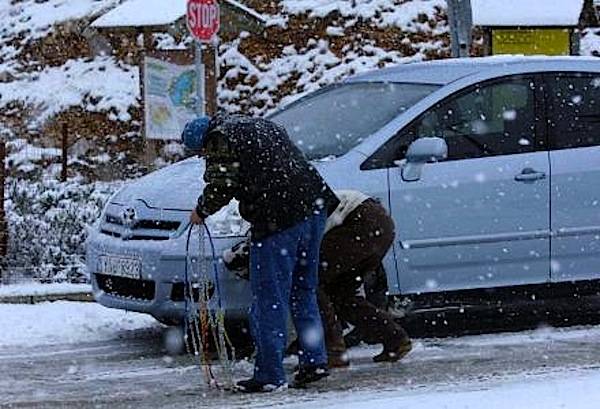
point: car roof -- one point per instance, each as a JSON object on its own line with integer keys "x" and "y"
{"x": 443, "y": 72}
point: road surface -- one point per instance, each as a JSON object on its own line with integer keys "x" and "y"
{"x": 134, "y": 371}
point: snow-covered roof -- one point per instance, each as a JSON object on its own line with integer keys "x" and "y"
{"x": 142, "y": 13}
{"x": 448, "y": 70}
{"x": 134, "y": 13}
{"x": 526, "y": 13}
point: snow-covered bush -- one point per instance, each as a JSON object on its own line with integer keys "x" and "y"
{"x": 47, "y": 223}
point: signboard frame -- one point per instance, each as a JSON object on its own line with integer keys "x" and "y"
{"x": 175, "y": 61}
{"x": 531, "y": 40}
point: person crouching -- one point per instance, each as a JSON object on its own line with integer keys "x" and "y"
{"x": 358, "y": 234}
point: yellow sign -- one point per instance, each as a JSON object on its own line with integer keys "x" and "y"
{"x": 531, "y": 41}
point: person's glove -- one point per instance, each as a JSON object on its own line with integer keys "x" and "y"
{"x": 237, "y": 259}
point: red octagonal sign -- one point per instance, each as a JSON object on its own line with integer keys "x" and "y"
{"x": 203, "y": 18}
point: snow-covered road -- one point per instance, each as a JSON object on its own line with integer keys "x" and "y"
{"x": 81, "y": 361}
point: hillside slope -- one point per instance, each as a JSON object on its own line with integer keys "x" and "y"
{"x": 48, "y": 74}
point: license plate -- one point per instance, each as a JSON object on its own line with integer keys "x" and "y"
{"x": 128, "y": 267}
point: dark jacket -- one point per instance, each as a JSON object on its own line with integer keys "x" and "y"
{"x": 255, "y": 162}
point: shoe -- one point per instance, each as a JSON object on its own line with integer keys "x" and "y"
{"x": 309, "y": 374}
{"x": 395, "y": 354}
{"x": 253, "y": 386}
{"x": 337, "y": 361}
{"x": 353, "y": 338}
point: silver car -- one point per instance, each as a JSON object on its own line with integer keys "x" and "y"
{"x": 490, "y": 168}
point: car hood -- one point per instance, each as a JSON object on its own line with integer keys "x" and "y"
{"x": 178, "y": 186}
{"x": 174, "y": 187}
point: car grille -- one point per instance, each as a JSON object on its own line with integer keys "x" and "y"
{"x": 126, "y": 287}
{"x": 177, "y": 293}
{"x": 140, "y": 230}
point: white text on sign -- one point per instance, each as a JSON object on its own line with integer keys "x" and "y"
{"x": 202, "y": 16}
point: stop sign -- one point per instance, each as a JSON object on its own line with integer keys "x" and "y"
{"x": 203, "y": 18}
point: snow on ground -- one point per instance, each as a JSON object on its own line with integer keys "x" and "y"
{"x": 154, "y": 13}
{"x": 530, "y": 12}
{"x": 542, "y": 333}
{"x": 102, "y": 84}
{"x": 385, "y": 13}
{"x": 568, "y": 389}
{"x": 307, "y": 65}
{"x": 37, "y": 17}
{"x": 26, "y": 20}
{"x": 22, "y": 153}
{"x": 33, "y": 288}
{"x": 590, "y": 42}
{"x": 65, "y": 322}
{"x": 578, "y": 391}
{"x": 541, "y": 369}
{"x": 432, "y": 347}
{"x": 315, "y": 66}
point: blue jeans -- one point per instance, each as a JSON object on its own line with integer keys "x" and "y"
{"x": 284, "y": 277}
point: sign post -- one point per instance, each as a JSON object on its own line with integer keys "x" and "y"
{"x": 461, "y": 26}
{"x": 203, "y": 21}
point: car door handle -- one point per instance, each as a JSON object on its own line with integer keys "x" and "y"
{"x": 530, "y": 175}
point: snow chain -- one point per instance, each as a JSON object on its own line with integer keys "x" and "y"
{"x": 200, "y": 323}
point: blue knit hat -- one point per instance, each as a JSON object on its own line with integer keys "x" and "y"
{"x": 194, "y": 133}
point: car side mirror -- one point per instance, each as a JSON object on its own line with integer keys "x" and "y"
{"x": 421, "y": 152}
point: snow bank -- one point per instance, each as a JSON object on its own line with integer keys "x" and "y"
{"x": 27, "y": 289}
{"x": 65, "y": 322}
{"x": 99, "y": 85}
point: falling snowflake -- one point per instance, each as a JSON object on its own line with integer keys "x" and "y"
{"x": 431, "y": 284}
{"x": 524, "y": 142}
{"x": 576, "y": 99}
{"x": 509, "y": 115}
{"x": 312, "y": 337}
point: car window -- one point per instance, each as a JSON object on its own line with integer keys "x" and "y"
{"x": 574, "y": 102}
{"x": 489, "y": 119}
{"x": 333, "y": 121}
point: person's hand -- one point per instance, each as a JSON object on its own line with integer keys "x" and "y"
{"x": 195, "y": 218}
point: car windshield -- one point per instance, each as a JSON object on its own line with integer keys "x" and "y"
{"x": 333, "y": 121}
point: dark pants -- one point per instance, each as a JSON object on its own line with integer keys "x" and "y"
{"x": 284, "y": 278}
{"x": 349, "y": 253}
